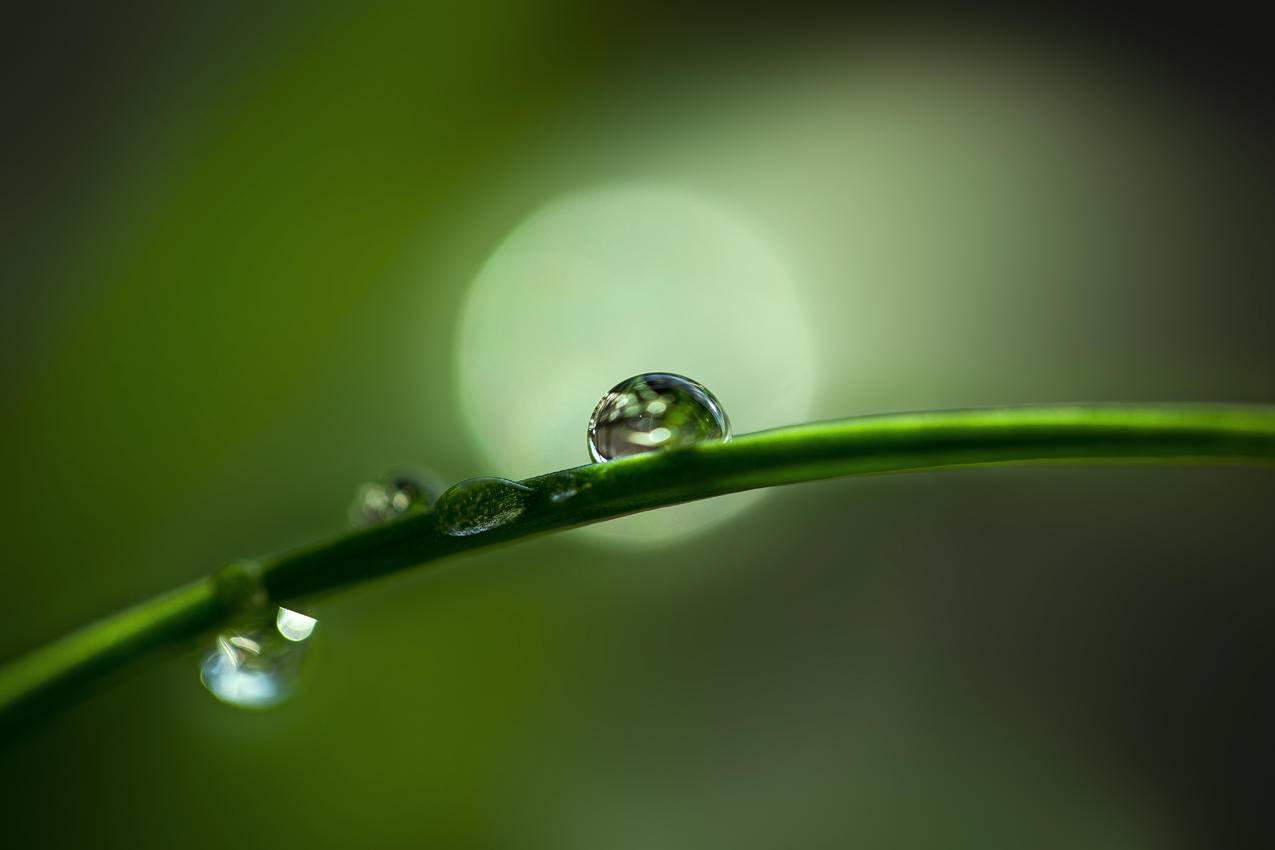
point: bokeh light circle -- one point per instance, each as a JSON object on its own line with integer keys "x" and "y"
{"x": 613, "y": 282}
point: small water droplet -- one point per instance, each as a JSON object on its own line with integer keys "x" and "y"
{"x": 391, "y": 497}
{"x": 480, "y": 504}
{"x": 294, "y": 625}
{"x": 257, "y": 663}
{"x": 654, "y": 411}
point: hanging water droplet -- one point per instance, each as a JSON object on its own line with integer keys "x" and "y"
{"x": 391, "y": 497}
{"x": 293, "y": 625}
{"x": 257, "y": 664}
{"x": 480, "y": 504}
{"x": 654, "y": 411}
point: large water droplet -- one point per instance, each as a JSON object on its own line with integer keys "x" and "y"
{"x": 257, "y": 664}
{"x": 480, "y": 504}
{"x": 391, "y": 497}
{"x": 654, "y": 411}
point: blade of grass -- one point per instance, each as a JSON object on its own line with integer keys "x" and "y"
{"x": 57, "y": 673}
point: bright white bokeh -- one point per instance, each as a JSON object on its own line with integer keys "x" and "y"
{"x": 601, "y": 285}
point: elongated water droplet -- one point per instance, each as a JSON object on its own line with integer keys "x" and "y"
{"x": 481, "y": 504}
{"x": 654, "y": 411}
{"x": 391, "y": 497}
{"x": 257, "y": 664}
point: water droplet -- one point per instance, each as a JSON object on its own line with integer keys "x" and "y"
{"x": 257, "y": 664}
{"x": 293, "y": 625}
{"x": 654, "y": 411}
{"x": 481, "y": 504}
{"x": 391, "y": 497}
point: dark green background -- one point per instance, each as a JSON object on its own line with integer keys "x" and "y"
{"x": 235, "y": 244}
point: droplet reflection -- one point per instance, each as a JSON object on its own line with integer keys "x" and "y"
{"x": 258, "y": 663}
{"x": 654, "y": 411}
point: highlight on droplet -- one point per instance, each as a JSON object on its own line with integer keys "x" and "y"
{"x": 293, "y": 625}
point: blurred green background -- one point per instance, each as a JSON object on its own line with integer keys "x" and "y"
{"x": 252, "y": 258}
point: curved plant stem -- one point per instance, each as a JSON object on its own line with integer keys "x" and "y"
{"x": 47, "y": 677}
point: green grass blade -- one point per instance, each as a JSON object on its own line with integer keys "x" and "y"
{"x": 48, "y": 677}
